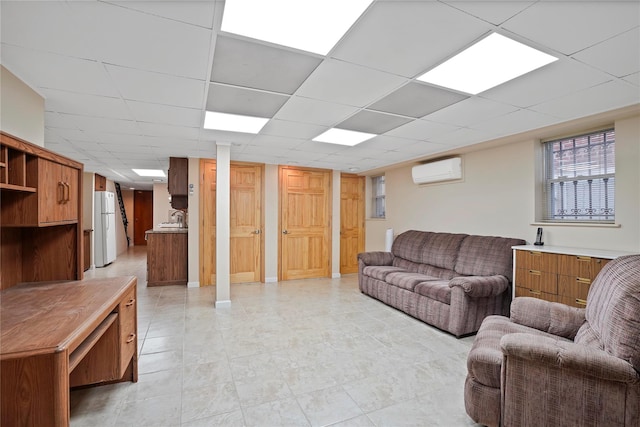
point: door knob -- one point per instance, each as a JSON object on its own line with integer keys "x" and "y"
{"x": 285, "y": 232}
{"x": 257, "y": 231}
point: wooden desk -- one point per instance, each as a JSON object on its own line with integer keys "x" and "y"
{"x": 58, "y": 335}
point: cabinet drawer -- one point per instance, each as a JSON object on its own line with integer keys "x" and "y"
{"x": 539, "y": 261}
{"x": 537, "y": 280}
{"x": 573, "y": 302}
{"x": 127, "y": 321}
{"x": 526, "y": 292}
{"x": 573, "y": 287}
{"x": 580, "y": 266}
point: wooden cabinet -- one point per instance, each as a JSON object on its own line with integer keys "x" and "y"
{"x": 40, "y": 214}
{"x": 167, "y": 260}
{"x": 178, "y": 182}
{"x": 558, "y": 274}
{"x": 100, "y": 183}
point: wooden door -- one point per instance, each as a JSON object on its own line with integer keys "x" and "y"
{"x": 246, "y": 244}
{"x": 246, "y": 223}
{"x": 351, "y": 221}
{"x": 142, "y": 215}
{"x": 207, "y": 222}
{"x": 305, "y": 223}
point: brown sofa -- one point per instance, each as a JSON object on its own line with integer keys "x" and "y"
{"x": 450, "y": 281}
{"x": 554, "y": 365}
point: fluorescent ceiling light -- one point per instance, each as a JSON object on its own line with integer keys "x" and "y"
{"x": 343, "y": 137}
{"x": 311, "y": 25}
{"x": 488, "y": 63}
{"x": 149, "y": 172}
{"x": 233, "y": 122}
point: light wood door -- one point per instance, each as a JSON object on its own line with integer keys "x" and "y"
{"x": 246, "y": 223}
{"x": 305, "y": 223}
{"x": 246, "y": 244}
{"x": 351, "y": 221}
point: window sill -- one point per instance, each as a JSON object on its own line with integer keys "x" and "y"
{"x": 575, "y": 224}
{"x": 376, "y": 219}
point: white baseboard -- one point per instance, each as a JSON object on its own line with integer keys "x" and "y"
{"x": 336, "y": 276}
{"x": 270, "y": 279}
{"x": 223, "y": 304}
{"x": 193, "y": 284}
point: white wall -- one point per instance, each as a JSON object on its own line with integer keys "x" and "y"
{"x": 193, "y": 242}
{"x": 161, "y": 204}
{"x": 21, "y": 109}
{"x": 497, "y": 197}
{"x": 271, "y": 236}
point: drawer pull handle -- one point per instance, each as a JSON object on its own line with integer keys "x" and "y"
{"x": 584, "y": 258}
{"x": 583, "y": 280}
{"x": 130, "y": 302}
{"x": 131, "y": 338}
{"x": 535, "y": 292}
{"x": 536, "y": 253}
{"x": 581, "y": 301}
{"x": 535, "y": 272}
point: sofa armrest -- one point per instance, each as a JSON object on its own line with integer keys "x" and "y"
{"x": 566, "y": 355}
{"x": 481, "y": 286}
{"x": 551, "y": 317}
{"x": 376, "y": 258}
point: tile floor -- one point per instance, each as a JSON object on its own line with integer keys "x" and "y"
{"x": 298, "y": 353}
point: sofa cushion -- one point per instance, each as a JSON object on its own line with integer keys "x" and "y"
{"x": 486, "y": 256}
{"x": 407, "y": 265}
{"x": 379, "y": 271}
{"x": 441, "y": 249}
{"x": 613, "y": 304}
{"x": 438, "y": 290}
{"x": 408, "y": 245}
{"x": 407, "y": 280}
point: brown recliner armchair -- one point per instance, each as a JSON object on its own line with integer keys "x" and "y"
{"x": 555, "y": 365}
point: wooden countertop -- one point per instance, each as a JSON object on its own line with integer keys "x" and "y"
{"x": 39, "y": 318}
{"x": 167, "y": 230}
{"x": 595, "y": 253}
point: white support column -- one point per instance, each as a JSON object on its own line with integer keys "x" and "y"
{"x": 223, "y": 227}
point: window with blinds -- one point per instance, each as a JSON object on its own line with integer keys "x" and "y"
{"x": 580, "y": 178}
{"x": 377, "y": 197}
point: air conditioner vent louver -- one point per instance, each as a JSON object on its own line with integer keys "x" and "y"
{"x": 438, "y": 171}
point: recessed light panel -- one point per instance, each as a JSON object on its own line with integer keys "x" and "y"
{"x": 490, "y": 62}
{"x": 343, "y": 137}
{"x": 311, "y": 25}
{"x": 149, "y": 172}
{"x": 233, "y": 122}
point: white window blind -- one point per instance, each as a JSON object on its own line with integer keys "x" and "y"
{"x": 377, "y": 197}
{"x": 580, "y": 178}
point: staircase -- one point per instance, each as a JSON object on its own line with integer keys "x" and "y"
{"x": 123, "y": 212}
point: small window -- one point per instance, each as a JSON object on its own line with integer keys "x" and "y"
{"x": 377, "y": 197}
{"x": 579, "y": 178}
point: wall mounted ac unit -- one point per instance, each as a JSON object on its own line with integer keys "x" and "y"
{"x": 438, "y": 171}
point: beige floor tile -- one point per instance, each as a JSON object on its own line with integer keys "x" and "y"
{"x": 328, "y": 406}
{"x": 158, "y": 411}
{"x": 256, "y": 391}
{"x": 213, "y": 399}
{"x": 284, "y": 412}
{"x": 229, "y": 419}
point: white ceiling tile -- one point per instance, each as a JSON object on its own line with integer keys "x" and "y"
{"x": 198, "y": 13}
{"x": 349, "y": 84}
{"x": 271, "y": 142}
{"x": 372, "y": 122}
{"x": 167, "y": 114}
{"x": 158, "y": 129}
{"x": 422, "y": 130}
{"x": 569, "y": 26}
{"x": 594, "y": 100}
{"x": 494, "y": 11}
{"x": 291, "y": 129}
{"x": 417, "y": 100}
{"x": 248, "y": 102}
{"x": 606, "y": 55}
{"x": 462, "y": 137}
{"x": 313, "y": 111}
{"x": 388, "y": 143}
{"x": 138, "y": 85}
{"x": 546, "y": 83}
{"x": 82, "y": 104}
{"x": 405, "y": 38}
{"x": 62, "y": 72}
{"x": 515, "y": 122}
{"x": 103, "y": 124}
{"x": 473, "y": 110}
{"x": 225, "y": 136}
{"x": 320, "y": 147}
{"x": 633, "y": 79}
{"x": 254, "y": 65}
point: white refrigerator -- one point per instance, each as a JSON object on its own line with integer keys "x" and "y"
{"x": 105, "y": 228}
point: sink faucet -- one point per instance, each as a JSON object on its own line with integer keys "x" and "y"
{"x": 180, "y": 218}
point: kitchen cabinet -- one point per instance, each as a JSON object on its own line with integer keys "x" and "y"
{"x": 41, "y": 226}
{"x": 167, "y": 257}
{"x": 178, "y": 182}
{"x": 100, "y": 183}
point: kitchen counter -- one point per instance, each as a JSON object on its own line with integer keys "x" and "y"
{"x": 167, "y": 256}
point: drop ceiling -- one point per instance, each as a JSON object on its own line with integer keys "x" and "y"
{"x": 126, "y": 83}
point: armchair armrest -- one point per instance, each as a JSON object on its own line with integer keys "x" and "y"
{"x": 566, "y": 355}
{"x": 551, "y": 317}
{"x": 376, "y": 258}
{"x": 481, "y": 286}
